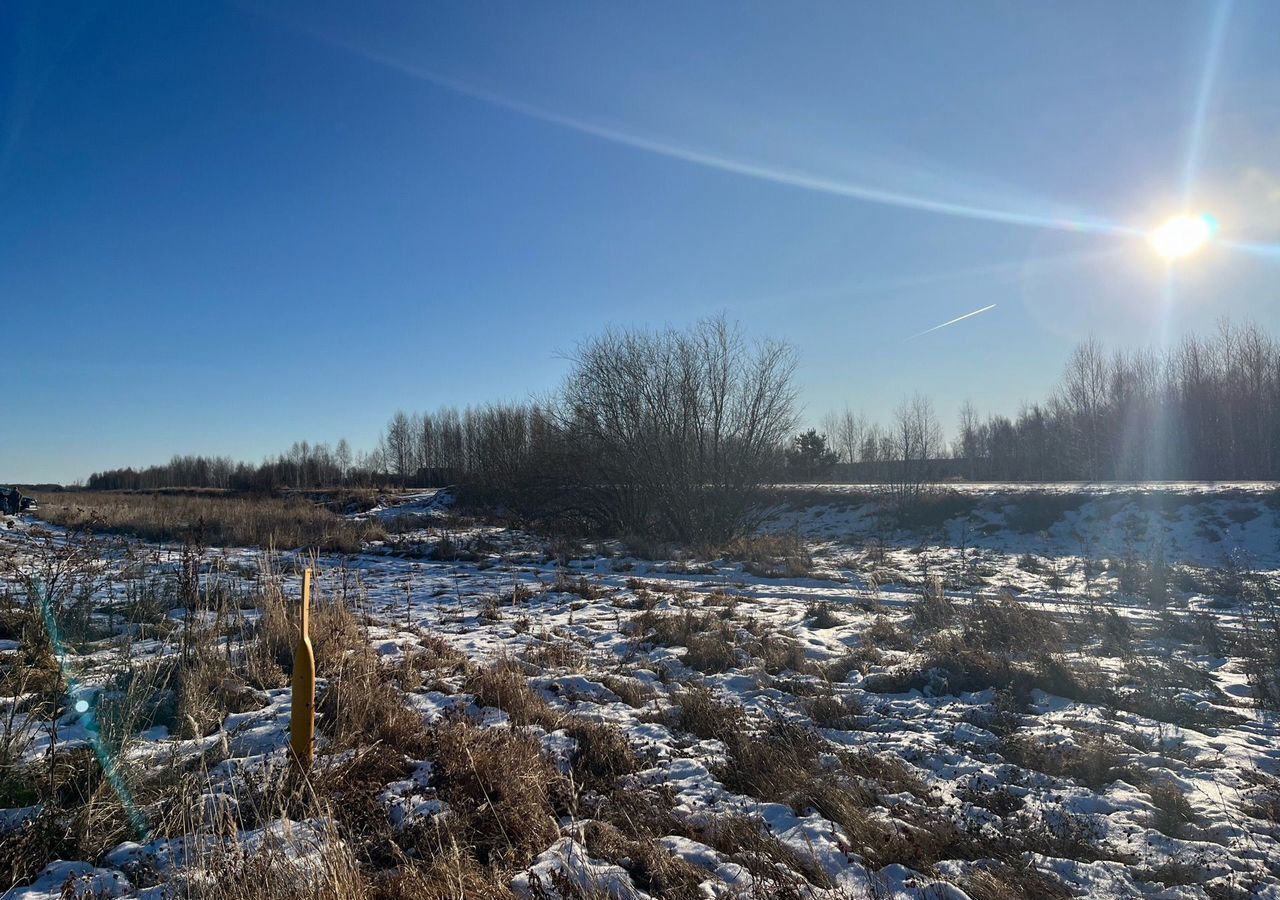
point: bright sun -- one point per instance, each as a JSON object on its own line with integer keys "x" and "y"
{"x": 1183, "y": 235}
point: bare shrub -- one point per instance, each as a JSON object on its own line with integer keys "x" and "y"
{"x": 677, "y": 431}
{"x": 1260, "y": 648}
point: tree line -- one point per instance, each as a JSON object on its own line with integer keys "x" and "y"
{"x": 1204, "y": 409}
{"x": 675, "y": 432}
{"x": 304, "y": 465}
{"x": 667, "y": 433}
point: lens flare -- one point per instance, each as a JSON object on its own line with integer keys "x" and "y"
{"x": 1183, "y": 235}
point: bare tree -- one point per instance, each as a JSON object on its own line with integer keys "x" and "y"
{"x": 1082, "y": 396}
{"x": 970, "y": 439}
{"x": 916, "y": 442}
{"x": 845, "y": 431}
{"x": 679, "y": 429}
{"x": 400, "y": 454}
{"x": 342, "y": 457}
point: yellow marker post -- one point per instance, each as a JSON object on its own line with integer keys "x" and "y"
{"x": 302, "y": 714}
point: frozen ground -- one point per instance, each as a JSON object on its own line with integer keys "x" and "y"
{"x": 1012, "y": 693}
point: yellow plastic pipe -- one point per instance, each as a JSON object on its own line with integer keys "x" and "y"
{"x": 302, "y": 714}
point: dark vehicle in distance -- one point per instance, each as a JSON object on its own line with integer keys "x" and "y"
{"x": 12, "y": 502}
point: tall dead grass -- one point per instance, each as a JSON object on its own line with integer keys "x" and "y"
{"x": 227, "y": 520}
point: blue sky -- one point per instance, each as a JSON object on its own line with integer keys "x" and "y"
{"x": 226, "y": 227}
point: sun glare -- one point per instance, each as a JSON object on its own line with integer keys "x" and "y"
{"x": 1183, "y": 235}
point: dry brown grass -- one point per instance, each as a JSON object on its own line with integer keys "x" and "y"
{"x": 772, "y": 556}
{"x": 450, "y": 874}
{"x": 271, "y": 870}
{"x": 602, "y": 753}
{"x": 1173, "y": 812}
{"x": 1010, "y": 627}
{"x": 1091, "y": 759}
{"x": 698, "y": 710}
{"x": 631, "y": 691}
{"x": 780, "y": 761}
{"x": 652, "y": 868}
{"x": 503, "y": 686}
{"x": 360, "y": 706}
{"x": 335, "y": 630}
{"x": 775, "y": 869}
{"x": 79, "y": 815}
{"x": 504, "y": 794}
{"x": 710, "y": 641}
{"x": 286, "y": 523}
{"x": 823, "y": 615}
{"x": 554, "y": 652}
{"x": 829, "y": 710}
{"x": 1005, "y": 881}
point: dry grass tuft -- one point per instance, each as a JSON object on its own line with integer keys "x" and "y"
{"x": 772, "y": 556}
{"x": 1090, "y": 759}
{"x": 1173, "y": 812}
{"x": 360, "y": 705}
{"x": 652, "y": 868}
{"x": 631, "y": 691}
{"x": 503, "y": 793}
{"x": 503, "y": 686}
{"x": 829, "y": 710}
{"x": 451, "y": 874}
{"x": 1008, "y": 881}
{"x": 710, "y": 641}
{"x": 699, "y": 711}
{"x": 602, "y": 755}
{"x": 775, "y": 869}
{"x": 823, "y": 615}
{"x": 271, "y": 869}
{"x": 79, "y": 815}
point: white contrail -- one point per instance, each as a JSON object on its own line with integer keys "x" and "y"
{"x": 953, "y": 321}
{"x": 776, "y": 174}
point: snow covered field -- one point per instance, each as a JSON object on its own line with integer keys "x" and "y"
{"x": 1009, "y": 692}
